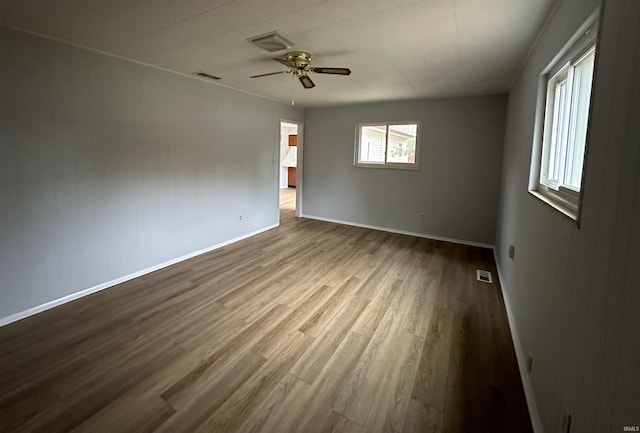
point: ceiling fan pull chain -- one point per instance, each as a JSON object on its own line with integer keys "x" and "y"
{"x": 292, "y": 103}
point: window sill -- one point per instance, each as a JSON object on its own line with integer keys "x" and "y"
{"x": 411, "y": 167}
{"x": 556, "y": 204}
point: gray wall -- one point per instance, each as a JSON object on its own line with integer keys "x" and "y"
{"x": 574, "y": 292}
{"x": 108, "y": 167}
{"x": 456, "y": 187}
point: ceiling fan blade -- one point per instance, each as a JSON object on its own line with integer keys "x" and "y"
{"x": 306, "y": 82}
{"x": 334, "y": 71}
{"x": 286, "y": 62}
{"x": 269, "y": 73}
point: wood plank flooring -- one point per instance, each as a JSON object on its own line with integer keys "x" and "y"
{"x": 310, "y": 327}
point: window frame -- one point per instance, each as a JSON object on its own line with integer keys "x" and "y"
{"x": 386, "y": 164}
{"x": 565, "y": 198}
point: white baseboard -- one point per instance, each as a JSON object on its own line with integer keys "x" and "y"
{"x": 536, "y": 422}
{"x": 402, "y": 232}
{"x": 99, "y": 287}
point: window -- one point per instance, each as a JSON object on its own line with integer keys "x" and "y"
{"x": 393, "y": 145}
{"x": 566, "y": 85}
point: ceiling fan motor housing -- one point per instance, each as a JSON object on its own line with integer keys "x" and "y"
{"x": 299, "y": 58}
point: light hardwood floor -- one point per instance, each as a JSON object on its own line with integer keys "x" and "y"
{"x": 310, "y": 327}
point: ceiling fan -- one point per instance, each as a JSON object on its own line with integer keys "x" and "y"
{"x": 298, "y": 63}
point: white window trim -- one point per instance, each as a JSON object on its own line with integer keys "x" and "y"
{"x": 566, "y": 200}
{"x": 396, "y": 165}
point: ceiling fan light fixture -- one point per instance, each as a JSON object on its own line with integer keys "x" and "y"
{"x": 271, "y": 42}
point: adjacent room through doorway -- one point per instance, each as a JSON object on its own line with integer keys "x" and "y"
{"x": 288, "y": 167}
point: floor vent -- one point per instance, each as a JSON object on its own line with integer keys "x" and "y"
{"x": 484, "y": 276}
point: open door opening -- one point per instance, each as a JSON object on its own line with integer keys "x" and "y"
{"x": 290, "y": 168}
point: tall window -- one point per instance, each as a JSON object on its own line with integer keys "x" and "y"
{"x": 568, "y": 83}
{"x": 566, "y": 118}
{"x": 387, "y": 145}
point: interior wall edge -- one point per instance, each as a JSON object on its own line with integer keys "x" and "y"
{"x": 103, "y": 286}
{"x": 139, "y": 62}
{"x": 402, "y": 232}
{"x": 534, "y": 414}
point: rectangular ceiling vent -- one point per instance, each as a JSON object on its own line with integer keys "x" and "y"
{"x": 271, "y": 42}
{"x": 205, "y": 75}
{"x": 484, "y": 276}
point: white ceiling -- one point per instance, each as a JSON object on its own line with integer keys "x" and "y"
{"x": 397, "y": 49}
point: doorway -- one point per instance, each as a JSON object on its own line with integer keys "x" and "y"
{"x": 290, "y": 168}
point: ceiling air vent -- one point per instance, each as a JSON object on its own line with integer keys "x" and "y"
{"x": 271, "y": 42}
{"x": 205, "y": 75}
{"x": 484, "y": 276}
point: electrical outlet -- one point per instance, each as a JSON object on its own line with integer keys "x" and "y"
{"x": 566, "y": 421}
{"x": 240, "y": 218}
{"x": 512, "y": 251}
{"x": 529, "y": 362}
{"x": 421, "y": 216}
